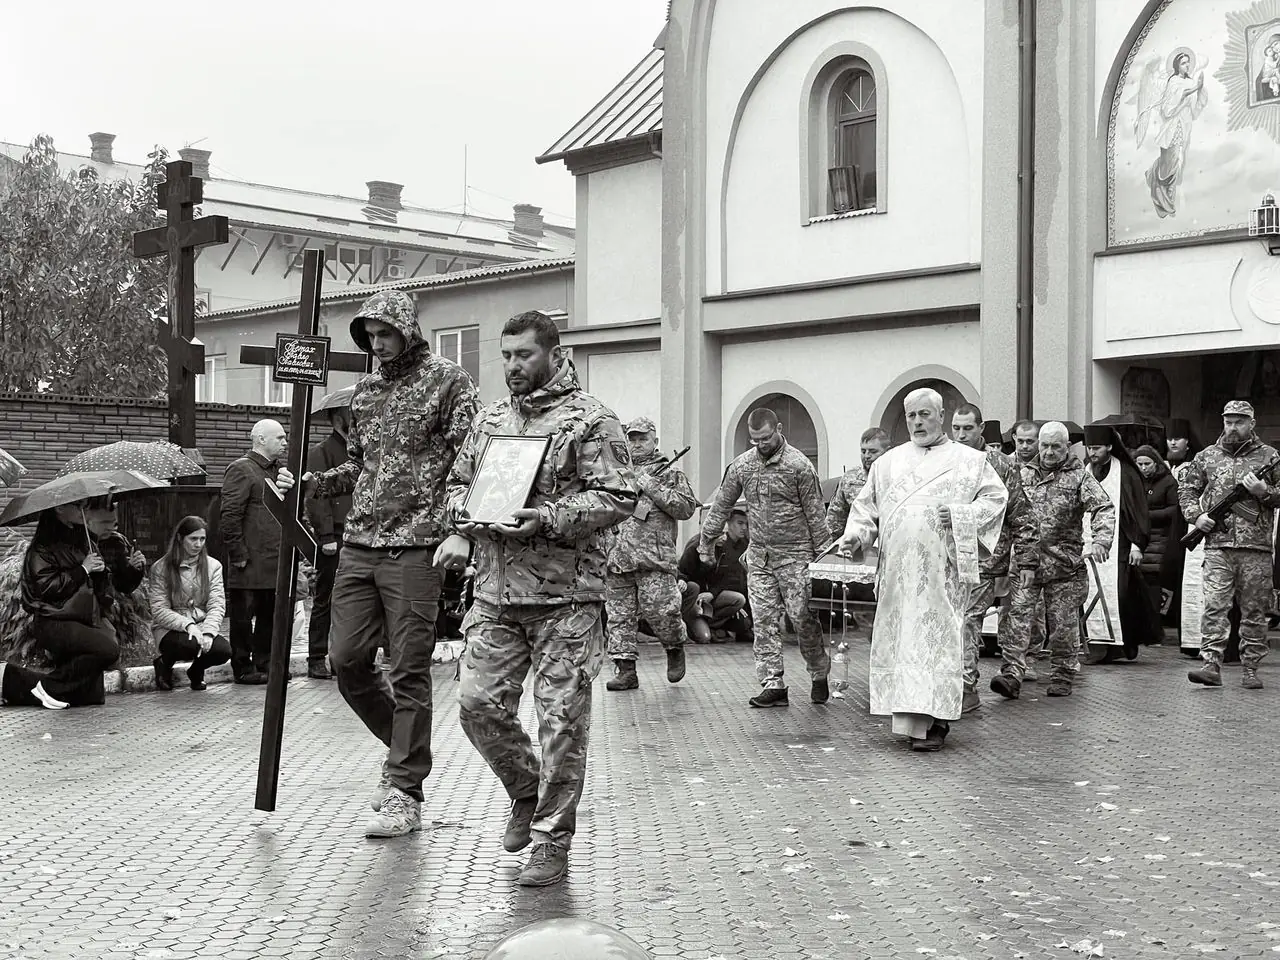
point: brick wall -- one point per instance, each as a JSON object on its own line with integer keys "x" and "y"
{"x": 44, "y": 432}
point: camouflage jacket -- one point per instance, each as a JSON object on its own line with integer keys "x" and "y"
{"x": 847, "y": 491}
{"x": 1214, "y": 473}
{"x": 647, "y": 539}
{"x": 784, "y": 507}
{"x": 584, "y": 486}
{"x": 1019, "y": 538}
{"x": 407, "y": 422}
{"x": 1059, "y": 500}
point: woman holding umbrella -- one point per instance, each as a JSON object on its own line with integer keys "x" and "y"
{"x": 74, "y": 566}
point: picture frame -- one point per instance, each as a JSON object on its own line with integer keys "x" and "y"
{"x": 504, "y": 477}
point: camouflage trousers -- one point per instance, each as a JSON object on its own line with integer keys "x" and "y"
{"x": 779, "y": 591}
{"x": 981, "y": 596}
{"x": 1231, "y": 573}
{"x": 650, "y": 595}
{"x": 1021, "y": 631}
{"x": 565, "y": 646}
{"x": 1061, "y": 600}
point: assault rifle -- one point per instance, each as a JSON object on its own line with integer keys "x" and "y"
{"x": 1233, "y": 501}
{"x": 642, "y": 509}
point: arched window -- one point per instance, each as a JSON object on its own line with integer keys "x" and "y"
{"x": 853, "y": 111}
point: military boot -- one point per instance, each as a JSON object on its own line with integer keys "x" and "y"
{"x": 675, "y": 665}
{"x": 971, "y": 700}
{"x": 1209, "y": 674}
{"x": 627, "y": 679}
{"x": 1250, "y": 680}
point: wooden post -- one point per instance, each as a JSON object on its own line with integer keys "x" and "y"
{"x": 179, "y": 239}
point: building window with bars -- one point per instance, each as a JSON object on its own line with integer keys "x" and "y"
{"x": 211, "y": 386}
{"x": 853, "y": 111}
{"x": 462, "y": 346}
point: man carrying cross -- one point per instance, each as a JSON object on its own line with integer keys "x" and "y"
{"x": 407, "y": 422}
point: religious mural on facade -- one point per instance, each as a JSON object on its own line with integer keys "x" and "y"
{"x": 1194, "y": 136}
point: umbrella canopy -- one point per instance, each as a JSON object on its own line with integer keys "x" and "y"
{"x": 10, "y": 470}
{"x": 336, "y": 400}
{"x": 1135, "y": 429}
{"x": 74, "y": 487}
{"x": 156, "y": 458}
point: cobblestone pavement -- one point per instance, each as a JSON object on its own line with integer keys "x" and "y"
{"x": 1139, "y": 815}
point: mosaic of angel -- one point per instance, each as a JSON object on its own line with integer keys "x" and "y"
{"x": 1170, "y": 97}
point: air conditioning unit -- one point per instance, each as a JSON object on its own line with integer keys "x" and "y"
{"x": 395, "y": 271}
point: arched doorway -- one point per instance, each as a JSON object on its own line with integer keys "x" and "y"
{"x": 894, "y": 421}
{"x": 797, "y": 425}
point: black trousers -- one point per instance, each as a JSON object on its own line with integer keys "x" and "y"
{"x": 322, "y": 608}
{"x": 178, "y": 645}
{"x": 252, "y": 616}
{"x": 80, "y": 653}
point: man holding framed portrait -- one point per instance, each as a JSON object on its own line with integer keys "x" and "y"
{"x": 539, "y": 583}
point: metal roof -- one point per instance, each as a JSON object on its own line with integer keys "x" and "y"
{"x": 631, "y": 109}
{"x": 412, "y": 285}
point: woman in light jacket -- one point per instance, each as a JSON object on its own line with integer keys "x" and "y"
{"x": 188, "y": 604}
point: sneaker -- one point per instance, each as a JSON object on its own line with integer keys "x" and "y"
{"x": 164, "y": 674}
{"x": 1007, "y": 685}
{"x": 48, "y": 702}
{"x": 1250, "y": 680}
{"x": 1059, "y": 688}
{"x": 933, "y": 741}
{"x": 547, "y": 865}
{"x": 1210, "y": 674}
{"x": 971, "y": 700}
{"x": 627, "y": 678}
{"x": 381, "y": 791}
{"x": 675, "y": 665}
{"x": 520, "y": 824}
{"x": 400, "y": 815}
{"x": 770, "y": 697}
{"x": 820, "y": 691}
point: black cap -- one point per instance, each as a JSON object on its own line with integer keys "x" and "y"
{"x": 1098, "y": 434}
{"x": 1179, "y": 428}
{"x": 991, "y": 432}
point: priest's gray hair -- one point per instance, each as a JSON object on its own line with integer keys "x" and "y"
{"x": 924, "y": 393}
{"x": 1053, "y": 430}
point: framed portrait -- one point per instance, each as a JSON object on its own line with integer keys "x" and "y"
{"x": 504, "y": 478}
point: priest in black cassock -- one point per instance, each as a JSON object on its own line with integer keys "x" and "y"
{"x": 1132, "y": 619}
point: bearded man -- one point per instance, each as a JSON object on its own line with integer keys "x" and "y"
{"x": 935, "y": 506}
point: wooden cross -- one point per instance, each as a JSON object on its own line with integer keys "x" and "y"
{"x": 179, "y": 239}
{"x": 303, "y": 360}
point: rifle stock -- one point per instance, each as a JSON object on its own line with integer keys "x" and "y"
{"x": 1218, "y": 510}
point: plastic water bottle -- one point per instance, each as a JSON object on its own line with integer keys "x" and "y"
{"x": 840, "y": 670}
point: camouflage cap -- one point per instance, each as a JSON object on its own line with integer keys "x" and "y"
{"x": 1238, "y": 408}
{"x": 641, "y": 425}
{"x": 739, "y": 507}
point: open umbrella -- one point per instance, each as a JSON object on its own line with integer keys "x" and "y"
{"x": 155, "y": 458}
{"x": 10, "y": 470}
{"x": 336, "y": 400}
{"x": 71, "y": 488}
{"x": 1135, "y": 429}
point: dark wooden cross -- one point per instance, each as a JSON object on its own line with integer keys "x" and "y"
{"x": 179, "y": 239}
{"x": 304, "y": 361}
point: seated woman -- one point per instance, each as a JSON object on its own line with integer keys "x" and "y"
{"x": 188, "y": 604}
{"x": 74, "y": 567}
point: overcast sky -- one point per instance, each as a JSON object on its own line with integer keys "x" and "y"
{"x": 326, "y": 95}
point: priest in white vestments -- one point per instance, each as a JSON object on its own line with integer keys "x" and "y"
{"x": 933, "y": 505}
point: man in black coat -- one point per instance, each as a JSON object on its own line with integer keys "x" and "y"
{"x": 723, "y": 586}
{"x": 252, "y": 539}
{"x": 328, "y": 516}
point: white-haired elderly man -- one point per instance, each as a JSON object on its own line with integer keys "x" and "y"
{"x": 933, "y": 505}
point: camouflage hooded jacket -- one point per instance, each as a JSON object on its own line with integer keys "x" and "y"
{"x": 407, "y": 421}
{"x": 1215, "y": 471}
{"x": 584, "y": 486}
{"x": 647, "y": 539}
{"x": 1059, "y": 499}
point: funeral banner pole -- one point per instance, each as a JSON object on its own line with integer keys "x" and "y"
{"x": 301, "y": 360}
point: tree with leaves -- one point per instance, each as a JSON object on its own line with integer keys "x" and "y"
{"x": 77, "y": 309}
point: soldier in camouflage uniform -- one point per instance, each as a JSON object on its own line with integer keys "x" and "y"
{"x": 407, "y": 422}
{"x": 1061, "y": 492}
{"x": 874, "y": 443}
{"x": 642, "y": 560}
{"x": 788, "y": 531}
{"x": 1016, "y": 552}
{"x": 539, "y": 588}
{"x": 1237, "y": 549}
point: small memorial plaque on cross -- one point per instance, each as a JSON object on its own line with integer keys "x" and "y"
{"x": 304, "y": 360}
{"x": 179, "y": 239}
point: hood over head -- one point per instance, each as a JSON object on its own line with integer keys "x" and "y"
{"x": 394, "y": 308}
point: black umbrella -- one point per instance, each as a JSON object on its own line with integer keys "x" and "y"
{"x": 72, "y": 488}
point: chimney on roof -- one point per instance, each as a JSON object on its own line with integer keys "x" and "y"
{"x": 100, "y": 147}
{"x": 199, "y": 160}
{"x": 528, "y": 220}
{"x": 385, "y": 194}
